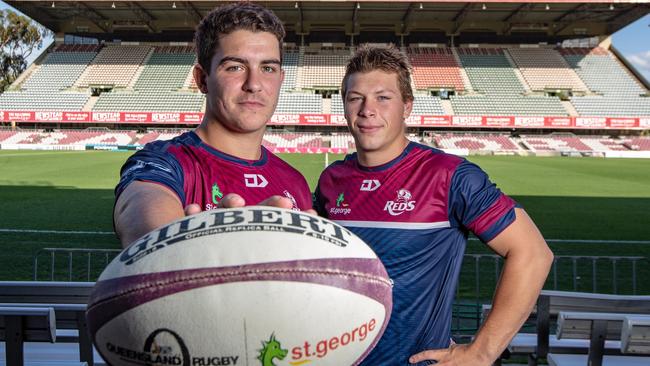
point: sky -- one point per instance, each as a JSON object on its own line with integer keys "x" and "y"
{"x": 631, "y": 41}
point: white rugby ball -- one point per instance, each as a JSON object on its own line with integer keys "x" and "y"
{"x": 247, "y": 286}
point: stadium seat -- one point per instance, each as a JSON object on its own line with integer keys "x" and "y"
{"x": 545, "y": 68}
{"x": 435, "y": 68}
{"x": 489, "y": 71}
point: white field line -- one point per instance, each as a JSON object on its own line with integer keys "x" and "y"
{"x": 40, "y": 153}
{"x": 71, "y": 232}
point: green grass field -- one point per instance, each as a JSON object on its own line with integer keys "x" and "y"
{"x": 46, "y": 193}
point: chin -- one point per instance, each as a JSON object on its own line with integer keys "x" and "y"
{"x": 368, "y": 146}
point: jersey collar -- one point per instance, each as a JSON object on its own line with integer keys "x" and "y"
{"x": 222, "y": 155}
{"x": 387, "y": 165}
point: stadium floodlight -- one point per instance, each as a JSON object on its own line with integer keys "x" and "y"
{"x": 174, "y": 5}
{"x": 611, "y": 6}
{"x": 295, "y": 5}
{"x": 358, "y": 5}
{"x": 483, "y": 7}
{"x": 54, "y": 6}
{"x": 547, "y": 7}
{"x": 421, "y": 6}
{"x": 113, "y": 5}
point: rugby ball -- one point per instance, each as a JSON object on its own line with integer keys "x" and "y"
{"x": 246, "y": 286}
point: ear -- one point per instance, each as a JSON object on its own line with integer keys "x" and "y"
{"x": 408, "y": 107}
{"x": 200, "y": 78}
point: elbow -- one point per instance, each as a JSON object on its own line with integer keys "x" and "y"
{"x": 546, "y": 257}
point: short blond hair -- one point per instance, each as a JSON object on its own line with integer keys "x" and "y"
{"x": 385, "y": 58}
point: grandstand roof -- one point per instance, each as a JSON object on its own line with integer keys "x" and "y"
{"x": 177, "y": 19}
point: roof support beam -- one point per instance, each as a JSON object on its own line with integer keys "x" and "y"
{"x": 196, "y": 14}
{"x": 144, "y": 15}
{"x": 572, "y": 12}
{"x": 516, "y": 12}
{"x": 95, "y": 17}
{"x": 300, "y": 19}
{"x": 406, "y": 19}
{"x": 355, "y": 18}
{"x": 565, "y": 20}
{"x": 460, "y": 17}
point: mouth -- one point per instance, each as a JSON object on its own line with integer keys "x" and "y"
{"x": 251, "y": 104}
{"x": 368, "y": 128}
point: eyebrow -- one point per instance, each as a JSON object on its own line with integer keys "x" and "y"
{"x": 374, "y": 92}
{"x": 243, "y": 61}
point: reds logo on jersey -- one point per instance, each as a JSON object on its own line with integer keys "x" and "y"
{"x": 402, "y": 204}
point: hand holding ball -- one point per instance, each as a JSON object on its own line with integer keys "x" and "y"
{"x": 246, "y": 286}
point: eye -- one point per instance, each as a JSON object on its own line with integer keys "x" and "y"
{"x": 383, "y": 97}
{"x": 353, "y": 99}
{"x": 233, "y": 67}
{"x": 269, "y": 69}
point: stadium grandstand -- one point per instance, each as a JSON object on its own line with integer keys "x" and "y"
{"x": 485, "y": 73}
{"x": 538, "y": 78}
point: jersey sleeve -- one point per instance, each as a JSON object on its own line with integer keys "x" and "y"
{"x": 476, "y": 204}
{"x": 154, "y": 166}
{"x": 307, "y": 199}
{"x": 319, "y": 202}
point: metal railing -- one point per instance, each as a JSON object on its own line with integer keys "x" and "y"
{"x": 479, "y": 275}
{"x": 73, "y": 260}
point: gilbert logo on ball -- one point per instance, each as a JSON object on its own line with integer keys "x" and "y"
{"x": 250, "y": 286}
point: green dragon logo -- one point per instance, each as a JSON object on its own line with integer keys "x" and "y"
{"x": 271, "y": 350}
{"x": 340, "y": 199}
{"x": 216, "y": 194}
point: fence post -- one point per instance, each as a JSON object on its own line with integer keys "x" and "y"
{"x": 614, "y": 279}
{"x": 594, "y": 275}
{"x": 634, "y": 277}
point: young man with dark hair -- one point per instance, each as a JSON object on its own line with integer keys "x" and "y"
{"x": 415, "y": 205}
{"x": 222, "y": 163}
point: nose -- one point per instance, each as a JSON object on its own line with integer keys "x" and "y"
{"x": 367, "y": 108}
{"x": 253, "y": 82}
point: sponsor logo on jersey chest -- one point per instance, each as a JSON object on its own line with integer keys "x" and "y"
{"x": 369, "y": 185}
{"x": 403, "y": 203}
{"x": 341, "y": 208}
{"x": 255, "y": 180}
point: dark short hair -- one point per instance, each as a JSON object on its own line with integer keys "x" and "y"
{"x": 229, "y": 18}
{"x": 385, "y": 58}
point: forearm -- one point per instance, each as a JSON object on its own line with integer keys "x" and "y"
{"x": 522, "y": 278}
{"x": 514, "y": 298}
{"x": 143, "y": 207}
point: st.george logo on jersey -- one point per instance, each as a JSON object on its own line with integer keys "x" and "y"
{"x": 402, "y": 204}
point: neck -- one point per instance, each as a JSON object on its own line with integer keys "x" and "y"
{"x": 373, "y": 158}
{"x": 239, "y": 144}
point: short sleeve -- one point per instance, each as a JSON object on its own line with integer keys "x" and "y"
{"x": 476, "y": 204}
{"x": 318, "y": 202}
{"x": 150, "y": 165}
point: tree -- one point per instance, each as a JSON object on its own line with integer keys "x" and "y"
{"x": 19, "y": 38}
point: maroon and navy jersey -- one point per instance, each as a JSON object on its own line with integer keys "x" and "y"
{"x": 415, "y": 212}
{"x": 201, "y": 174}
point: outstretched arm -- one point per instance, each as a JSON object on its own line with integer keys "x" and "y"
{"x": 144, "y": 206}
{"x": 527, "y": 262}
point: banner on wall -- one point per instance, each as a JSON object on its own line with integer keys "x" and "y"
{"x": 194, "y": 118}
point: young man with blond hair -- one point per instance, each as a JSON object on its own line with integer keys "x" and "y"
{"x": 415, "y": 205}
{"x": 222, "y": 163}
